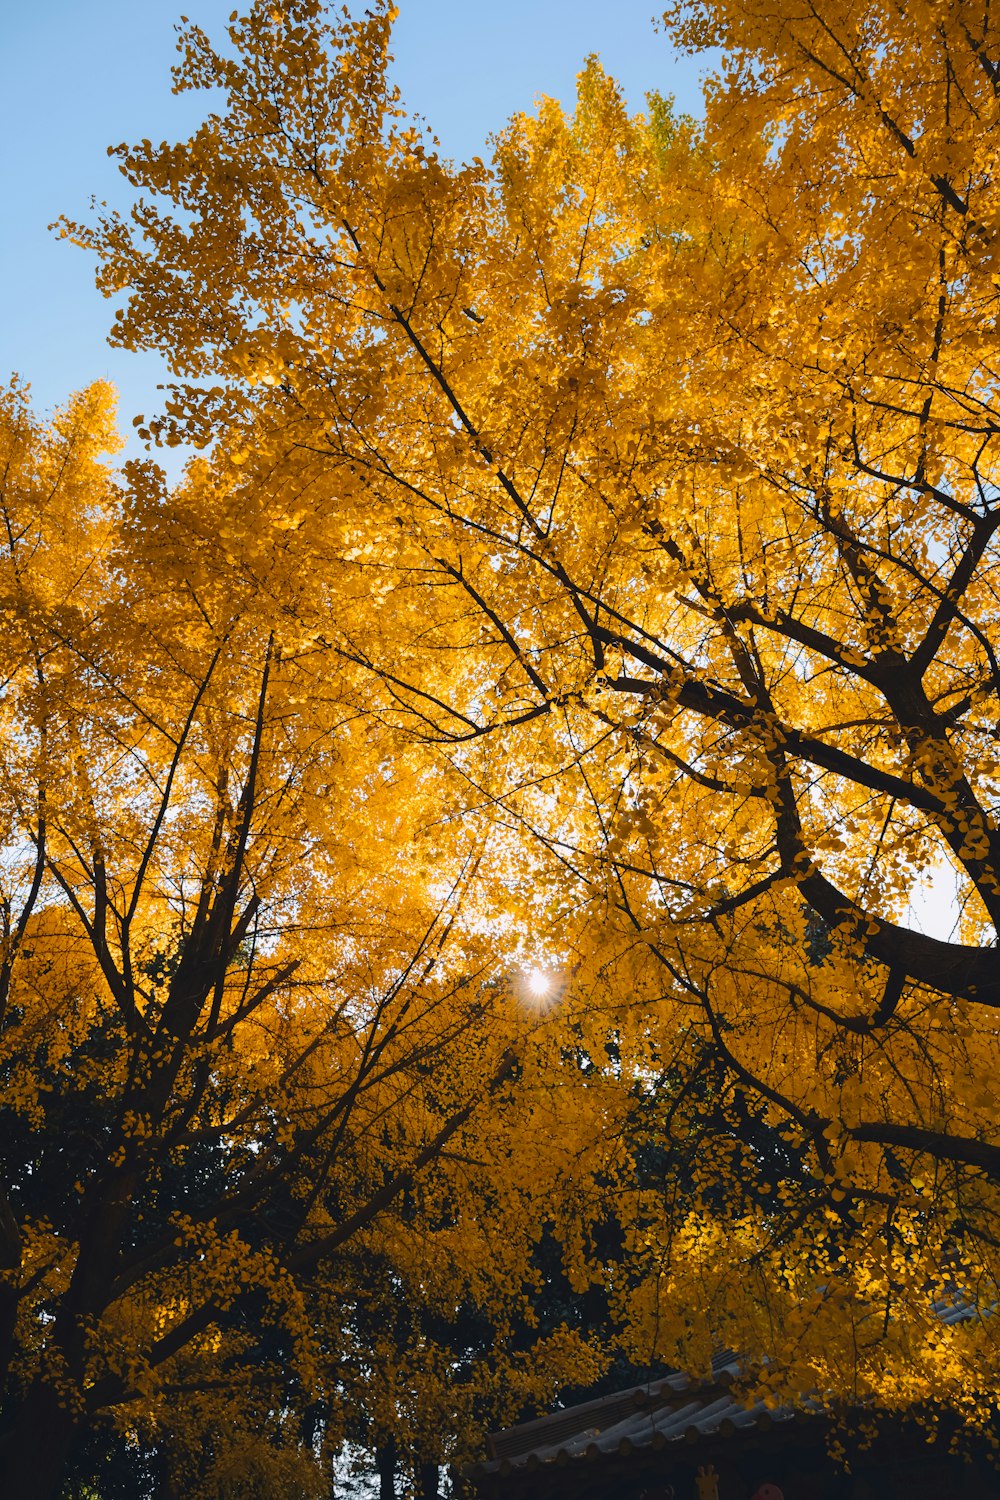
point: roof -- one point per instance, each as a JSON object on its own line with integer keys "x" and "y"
{"x": 671, "y": 1410}
{"x": 957, "y": 1309}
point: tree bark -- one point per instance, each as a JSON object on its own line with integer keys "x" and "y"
{"x": 35, "y": 1451}
{"x": 385, "y": 1463}
{"x": 10, "y": 1265}
{"x": 429, "y": 1481}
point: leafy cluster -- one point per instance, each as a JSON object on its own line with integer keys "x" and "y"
{"x": 592, "y": 562}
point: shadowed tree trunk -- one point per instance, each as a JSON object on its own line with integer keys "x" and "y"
{"x": 428, "y": 1481}
{"x": 34, "y": 1455}
{"x": 385, "y": 1463}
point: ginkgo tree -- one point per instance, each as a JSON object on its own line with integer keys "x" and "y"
{"x": 667, "y": 455}
{"x": 254, "y": 1029}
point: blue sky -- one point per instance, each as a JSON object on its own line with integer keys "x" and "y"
{"x": 82, "y": 76}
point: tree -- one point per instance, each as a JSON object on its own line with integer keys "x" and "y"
{"x": 677, "y": 448}
{"x": 245, "y": 1026}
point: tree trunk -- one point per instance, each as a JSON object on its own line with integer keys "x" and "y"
{"x": 34, "y": 1453}
{"x": 10, "y": 1266}
{"x": 385, "y": 1463}
{"x": 429, "y": 1481}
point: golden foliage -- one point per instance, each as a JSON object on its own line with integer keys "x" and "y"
{"x": 616, "y": 523}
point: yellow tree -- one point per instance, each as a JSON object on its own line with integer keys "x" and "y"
{"x": 676, "y": 449}
{"x": 246, "y": 1038}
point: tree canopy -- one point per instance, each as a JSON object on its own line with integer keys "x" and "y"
{"x": 593, "y": 562}
{"x": 249, "y": 1036}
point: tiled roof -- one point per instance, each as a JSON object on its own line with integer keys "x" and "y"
{"x": 957, "y": 1310}
{"x": 672, "y": 1409}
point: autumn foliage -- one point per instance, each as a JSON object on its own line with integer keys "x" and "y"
{"x": 591, "y": 562}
